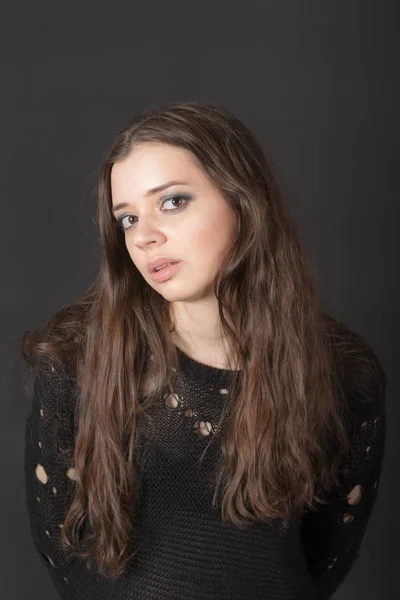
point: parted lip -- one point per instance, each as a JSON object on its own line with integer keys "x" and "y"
{"x": 160, "y": 260}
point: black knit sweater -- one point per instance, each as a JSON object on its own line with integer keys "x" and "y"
{"x": 185, "y": 551}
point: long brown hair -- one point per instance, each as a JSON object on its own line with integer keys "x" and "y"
{"x": 288, "y": 412}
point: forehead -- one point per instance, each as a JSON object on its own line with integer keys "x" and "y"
{"x": 152, "y": 164}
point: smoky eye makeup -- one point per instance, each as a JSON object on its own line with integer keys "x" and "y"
{"x": 186, "y": 198}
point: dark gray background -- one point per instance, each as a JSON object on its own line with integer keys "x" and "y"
{"x": 315, "y": 80}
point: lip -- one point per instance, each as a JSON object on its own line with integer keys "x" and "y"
{"x": 167, "y": 273}
{"x": 158, "y": 261}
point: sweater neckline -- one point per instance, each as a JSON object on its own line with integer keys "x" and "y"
{"x": 201, "y": 370}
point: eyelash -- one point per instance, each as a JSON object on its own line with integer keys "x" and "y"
{"x": 187, "y": 199}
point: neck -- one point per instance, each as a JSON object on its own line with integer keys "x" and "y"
{"x": 198, "y": 333}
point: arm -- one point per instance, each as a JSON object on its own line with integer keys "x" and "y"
{"x": 332, "y": 536}
{"x": 49, "y": 484}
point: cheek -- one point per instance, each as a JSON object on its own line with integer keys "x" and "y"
{"x": 216, "y": 229}
{"x": 208, "y": 245}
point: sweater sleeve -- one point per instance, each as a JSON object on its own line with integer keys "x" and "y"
{"x": 332, "y": 535}
{"x": 49, "y": 473}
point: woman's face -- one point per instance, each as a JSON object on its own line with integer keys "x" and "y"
{"x": 190, "y": 221}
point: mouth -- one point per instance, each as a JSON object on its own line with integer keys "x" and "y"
{"x": 164, "y": 272}
{"x": 174, "y": 262}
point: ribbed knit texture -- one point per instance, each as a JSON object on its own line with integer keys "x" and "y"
{"x": 186, "y": 552}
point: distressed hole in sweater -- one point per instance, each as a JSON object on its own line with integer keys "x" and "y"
{"x": 71, "y": 473}
{"x": 202, "y": 428}
{"x": 48, "y": 559}
{"x": 348, "y": 518}
{"x": 334, "y": 560}
{"x": 355, "y": 495}
{"x": 171, "y": 401}
{"x": 41, "y": 474}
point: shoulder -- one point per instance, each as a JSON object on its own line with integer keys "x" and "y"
{"x": 360, "y": 385}
{"x": 54, "y": 395}
{"x": 52, "y": 375}
{"x": 359, "y": 375}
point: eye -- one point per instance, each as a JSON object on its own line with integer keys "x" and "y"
{"x": 186, "y": 200}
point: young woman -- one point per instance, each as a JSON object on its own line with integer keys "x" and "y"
{"x": 199, "y": 427}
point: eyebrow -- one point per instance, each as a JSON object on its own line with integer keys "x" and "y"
{"x": 151, "y": 192}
